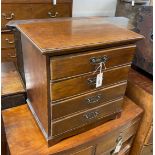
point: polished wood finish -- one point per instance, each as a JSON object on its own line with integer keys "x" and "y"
{"x": 7, "y": 40}
{"x": 11, "y": 80}
{"x": 75, "y": 35}
{"x": 69, "y": 39}
{"x": 13, "y": 91}
{"x": 34, "y": 9}
{"x": 33, "y": 142}
{"x": 66, "y": 88}
{"x": 140, "y": 90}
{"x": 86, "y": 101}
{"x": 37, "y": 83}
{"x": 34, "y": 1}
{"x": 62, "y": 66}
{"x": 8, "y": 55}
{"x": 79, "y": 120}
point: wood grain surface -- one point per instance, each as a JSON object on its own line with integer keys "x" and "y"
{"x": 90, "y": 116}
{"x": 86, "y": 101}
{"x": 66, "y": 88}
{"x": 71, "y": 31}
{"x": 75, "y": 64}
{"x": 26, "y": 138}
{"x": 140, "y": 90}
{"x": 11, "y": 80}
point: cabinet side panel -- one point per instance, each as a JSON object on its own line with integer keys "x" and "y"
{"x": 36, "y": 76}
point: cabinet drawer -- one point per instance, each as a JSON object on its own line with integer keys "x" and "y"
{"x": 15, "y": 12}
{"x": 8, "y": 55}
{"x": 41, "y": 11}
{"x": 87, "y": 101}
{"x": 111, "y": 140}
{"x": 34, "y": 11}
{"x": 66, "y": 66}
{"x": 85, "y": 118}
{"x": 74, "y": 86}
{"x": 7, "y": 40}
{"x": 87, "y": 151}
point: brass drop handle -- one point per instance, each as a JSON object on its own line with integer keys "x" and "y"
{"x": 53, "y": 16}
{"x": 94, "y": 99}
{"x": 91, "y": 115}
{"x": 102, "y": 59}
{"x": 12, "y": 56}
{"x": 9, "y": 42}
{"x": 8, "y": 18}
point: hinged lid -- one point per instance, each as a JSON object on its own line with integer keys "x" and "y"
{"x": 71, "y": 34}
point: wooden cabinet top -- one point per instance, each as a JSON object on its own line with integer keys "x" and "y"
{"x": 21, "y": 129}
{"x": 73, "y": 34}
{"x": 35, "y": 1}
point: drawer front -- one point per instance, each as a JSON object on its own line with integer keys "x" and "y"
{"x": 8, "y": 55}
{"x": 85, "y": 118}
{"x": 41, "y": 11}
{"x": 87, "y": 101}
{"x": 7, "y": 40}
{"x": 12, "y": 12}
{"x": 66, "y": 66}
{"x": 32, "y": 11}
{"x": 123, "y": 151}
{"x": 74, "y": 86}
{"x": 111, "y": 140}
{"x": 87, "y": 151}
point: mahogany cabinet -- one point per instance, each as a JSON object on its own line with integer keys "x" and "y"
{"x": 62, "y": 59}
{"x": 22, "y": 9}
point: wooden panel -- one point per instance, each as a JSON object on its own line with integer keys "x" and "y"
{"x": 7, "y": 40}
{"x": 13, "y": 100}
{"x": 43, "y": 10}
{"x": 23, "y": 123}
{"x": 11, "y": 80}
{"x": 67, "y": 87}
{"x": 75, "y": 35}
{"x": 149, "y": 137}
{"x": 87, "y": 101}
{"x": 87, "y": 151}
{"x": 36, "y": 83}
{"x": 34, "y": 1}
{"x": 84, "y": 118}
{"x": 24, "y": 12}
{"x": 8, "y": 55}
{"x": 147, "y": 150}
{"x": 62, "y": 66}
{"x": 139, "y": 89}
{"x": 32, "y": 11}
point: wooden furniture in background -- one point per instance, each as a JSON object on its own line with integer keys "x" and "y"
{"x": 100, "y": 140}
{"x": 141, "y": 17}
{"x": 30, "y": 9}
{"x": 140, "y": 90}
{"x": 60, "y": 59}
{"x": 13, "y": 91}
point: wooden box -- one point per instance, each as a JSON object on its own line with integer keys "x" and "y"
{"x": 101, "y": 140}
{"x": 61, "y": 63}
